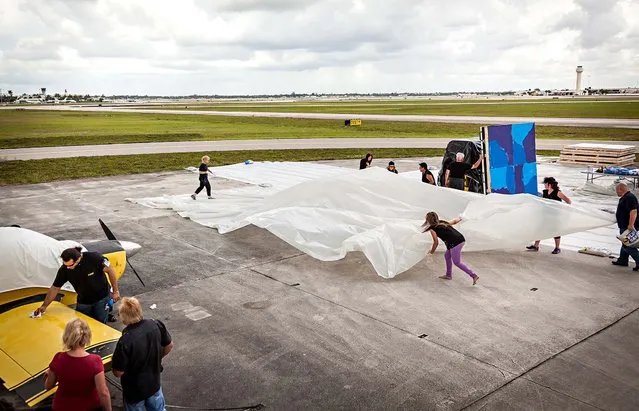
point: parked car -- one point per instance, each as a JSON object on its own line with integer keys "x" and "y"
{"x": 472, "y": 152}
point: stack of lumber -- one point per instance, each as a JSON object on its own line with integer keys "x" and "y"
{"x": 598, "y": 154}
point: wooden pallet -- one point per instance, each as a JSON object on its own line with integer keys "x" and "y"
{"x": 602, "y": 161}
{"x": 595, "y": 156}
{"x": 604, "y": 153}
{"x": 598, "y": 154}
{"x": 600, "y": 147}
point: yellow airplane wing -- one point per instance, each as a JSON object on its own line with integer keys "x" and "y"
{"x": 27, "y": 346}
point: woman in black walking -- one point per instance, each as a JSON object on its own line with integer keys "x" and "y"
{"x": 204, "y": 178}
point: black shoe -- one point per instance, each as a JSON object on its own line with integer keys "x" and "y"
{"x": 635, "y": 268}
{"x": 616, "y": 262}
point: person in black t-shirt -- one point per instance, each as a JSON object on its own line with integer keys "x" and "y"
{"x": 627, "y": 220}
{"x": 427, "y": 176}
{"x": 454, "y": 241}
{"x": 204, "y": 178}
{"x": 86, "y": 273}
{"x": 391, "y": 167}
{"x": 366, "y": 161}
{"x": 552, "y": 192}
{"x": 457, "y": 170}
{"x": 137, "y": 359}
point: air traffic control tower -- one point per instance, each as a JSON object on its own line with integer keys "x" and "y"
{"x": 580, "y": 70}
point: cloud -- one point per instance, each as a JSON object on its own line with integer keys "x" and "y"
{"x": 276, "y": 46}
{"x": 596, "y": 21}
{"x": 254, "y": 5}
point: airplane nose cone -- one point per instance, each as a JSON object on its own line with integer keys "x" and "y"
{"x": 130, "y": 247}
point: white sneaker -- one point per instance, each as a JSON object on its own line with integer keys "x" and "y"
{"x": 193, "y": 196}
{"x": 211, "y": 198}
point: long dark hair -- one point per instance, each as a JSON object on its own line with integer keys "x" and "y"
{"x": 432, "y": 219}
{"x": 552, "y": 183}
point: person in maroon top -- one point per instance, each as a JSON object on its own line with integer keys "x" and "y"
{"x": 79, "y": 375}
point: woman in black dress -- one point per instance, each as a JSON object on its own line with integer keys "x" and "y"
{"x": 552, "y": 192}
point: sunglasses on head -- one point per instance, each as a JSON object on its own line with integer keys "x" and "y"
{"x": 70, "y": 263}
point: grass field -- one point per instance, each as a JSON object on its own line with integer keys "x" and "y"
{"x": 27, "y": 128}
{"x": 43, "y": 171}
{"x": 581, "y": 109}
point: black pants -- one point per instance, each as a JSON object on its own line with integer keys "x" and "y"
{"x": 625, "y": 252}
{"x": 456, "y": 183}
{"x": 204, "y": 182}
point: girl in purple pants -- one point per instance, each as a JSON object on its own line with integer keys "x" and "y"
{"x": 454, "y": 241}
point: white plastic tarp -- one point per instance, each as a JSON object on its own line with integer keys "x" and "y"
{"x": 29, "y": 258}
{"x": 380, "y": 213}
{"x": 275, "y": 175}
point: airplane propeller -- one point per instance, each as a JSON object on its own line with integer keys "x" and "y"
{"x": 111, "y": 237}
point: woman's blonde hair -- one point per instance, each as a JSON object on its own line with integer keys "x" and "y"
{"x": 205, "y": 158}
{"x": 76, "y": 334}
{"x": 130, "y": 311}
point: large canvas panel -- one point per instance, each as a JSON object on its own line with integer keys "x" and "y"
{"x": 511, "y": 158}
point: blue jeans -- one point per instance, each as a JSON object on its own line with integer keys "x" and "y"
{"x": 153, "y": 403}
{"x": 96, "y": 310}
{"x": 627, "y": 251}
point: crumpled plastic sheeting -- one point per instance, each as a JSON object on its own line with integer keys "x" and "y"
{"x": 380, "y": 213}
{"x": 275, "y": 175}
{"x": 266, "y": 178}
{"x": 29, "y": 258}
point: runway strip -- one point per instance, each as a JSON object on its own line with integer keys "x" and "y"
{"x": 232, "y": 145}
{"x": 541, "y": 121}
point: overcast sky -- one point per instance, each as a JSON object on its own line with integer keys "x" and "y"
{"x": 171, "y": 47}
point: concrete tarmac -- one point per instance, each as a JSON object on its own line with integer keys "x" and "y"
{"x": 255, "y": 321}
{"x": 541, "y": 121}
{"x": 270, "y": 144}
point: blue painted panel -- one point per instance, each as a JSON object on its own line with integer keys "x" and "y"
{"x": 512, "y": 157}
{"x": 498, "y": 156}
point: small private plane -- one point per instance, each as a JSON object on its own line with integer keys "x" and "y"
{"x": 30, "y": 261}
